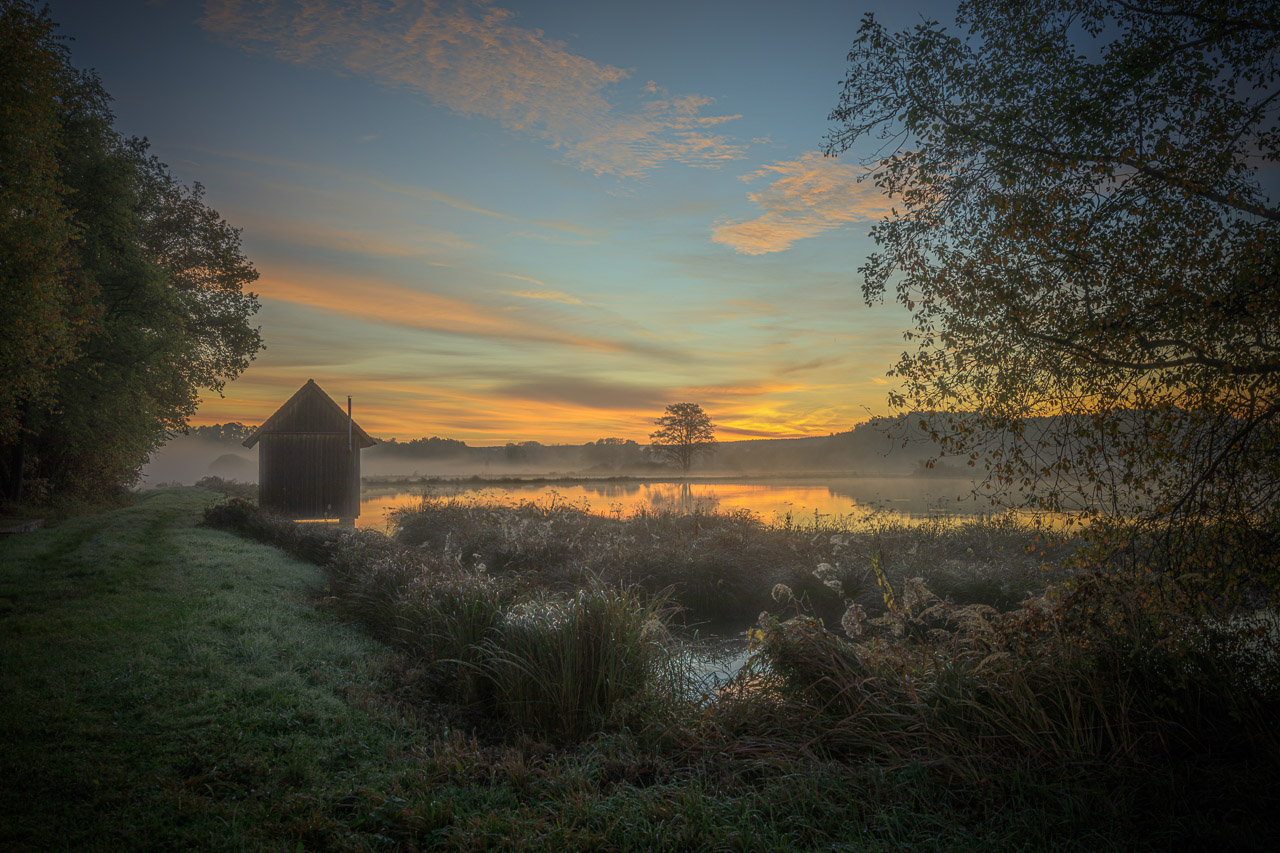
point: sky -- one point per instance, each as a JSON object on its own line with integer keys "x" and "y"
{"x": 511, "y": 221}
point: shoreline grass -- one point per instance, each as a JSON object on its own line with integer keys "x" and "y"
{"x": 558, "y": 478}
{"x": 720, "y": 567}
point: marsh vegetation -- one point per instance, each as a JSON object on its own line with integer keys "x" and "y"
{"x": 989, "y": 661}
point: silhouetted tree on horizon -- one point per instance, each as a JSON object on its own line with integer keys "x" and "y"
{"x": 684, "y": 433}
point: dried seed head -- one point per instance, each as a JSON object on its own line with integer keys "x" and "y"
{"x": 854, "y": 621}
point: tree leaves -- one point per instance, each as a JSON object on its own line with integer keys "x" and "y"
{"x": 123, "y": 295}
{"x": 1081, "y": 233}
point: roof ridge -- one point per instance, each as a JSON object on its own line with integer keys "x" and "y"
{"x": 311, "y": 387}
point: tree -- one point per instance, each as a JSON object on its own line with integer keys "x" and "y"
{"x": 683, "y": 433}
{"x": 164, "y": 280}
{"x": 1085, "y": 244}
{"x": 612, "y": 453}
{"x": 45, "y": 308}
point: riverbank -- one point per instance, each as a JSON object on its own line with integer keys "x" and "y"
{"x": 170, "y": 686}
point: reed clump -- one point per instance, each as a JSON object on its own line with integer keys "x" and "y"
{"x": 497, "y": 647}
{"x": 720, "y": 566}
{"x": 1094, "y": 673}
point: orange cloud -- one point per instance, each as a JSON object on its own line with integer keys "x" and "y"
{"x": 475, "y": 60}
{"x": 499, "y": 415}
{"x": 548, "y": 408}
{"x": 812, "y": 195}
{"x": 381, "y": 302}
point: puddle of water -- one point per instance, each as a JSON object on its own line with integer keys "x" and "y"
{"x": 714, "y": 669}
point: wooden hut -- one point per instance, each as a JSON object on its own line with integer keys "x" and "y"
{"x": 309, "y": 458}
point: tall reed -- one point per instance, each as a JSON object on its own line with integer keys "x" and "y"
{"x": 569, "y": 666}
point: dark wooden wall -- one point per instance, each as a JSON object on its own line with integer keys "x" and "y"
{"x": 309, "y": 475}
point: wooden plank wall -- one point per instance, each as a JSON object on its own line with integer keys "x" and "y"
{"x": 309, "y": 475}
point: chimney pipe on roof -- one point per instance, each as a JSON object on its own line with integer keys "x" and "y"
{"x": 348, "y": 423}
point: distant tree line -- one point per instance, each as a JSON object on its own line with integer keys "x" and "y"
{"x": 121, "y": 294}
{"x": 232, "y": 433}
{"x": 423, "y": 448}
{"x": 879, "y": 446}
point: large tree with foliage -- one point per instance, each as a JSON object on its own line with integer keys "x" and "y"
{"x": 1084, "y": 238}
{"x": 684, "y": 433}
{"x": 45, "y": 307}
{"x": 152, "y": 284}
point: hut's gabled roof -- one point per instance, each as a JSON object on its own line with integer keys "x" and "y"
{"x": 310, "y": 411}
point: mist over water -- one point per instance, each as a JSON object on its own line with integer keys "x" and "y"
{"x": 849, "y": 479}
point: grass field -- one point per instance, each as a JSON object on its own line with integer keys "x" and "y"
{"x": 170, "y": 686}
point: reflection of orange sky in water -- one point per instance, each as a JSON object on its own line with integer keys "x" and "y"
{"x": 854, "y": 501}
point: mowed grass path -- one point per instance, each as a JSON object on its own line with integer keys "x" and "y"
{"x": 167, "y": 686}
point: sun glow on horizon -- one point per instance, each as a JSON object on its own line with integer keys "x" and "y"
{"x": 479, "y": 424}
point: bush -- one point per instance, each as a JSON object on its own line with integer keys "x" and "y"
{"x": 229, "y": 488}
{"x": 1096, "y": 673}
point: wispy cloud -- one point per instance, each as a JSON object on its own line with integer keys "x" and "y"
{"x": 806, "y": 197}
{"x": 407, "y": 190}
{"x": 405, "y": 307}
{"x": 475, "y": 59}
{"x": 416, "y": 242}
{"x": 584, "y": 393}
{"x": 424, "y": 194}
{"x": 551, "y": 238}
{"x": 542, "y": 294}
{"x": 738, "y": 390}
{"x": 545, "y": 295}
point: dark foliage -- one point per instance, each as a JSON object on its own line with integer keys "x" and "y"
{"x": 143, "y": 285}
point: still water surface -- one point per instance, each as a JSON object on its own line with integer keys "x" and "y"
{"x": 855, "y": 499}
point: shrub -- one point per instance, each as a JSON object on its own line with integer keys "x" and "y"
{"x": 229, "y": 488}
{"x": 1095, "y": 674}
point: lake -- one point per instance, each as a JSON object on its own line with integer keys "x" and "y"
{"x": 855, "y": 499}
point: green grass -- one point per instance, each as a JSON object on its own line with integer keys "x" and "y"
{"x": 169, "y": 686}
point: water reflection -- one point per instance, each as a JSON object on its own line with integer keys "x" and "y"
{"x": 906, "y": 499}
